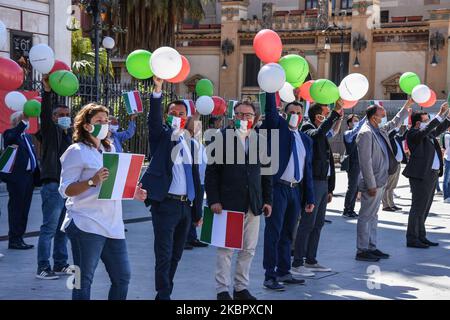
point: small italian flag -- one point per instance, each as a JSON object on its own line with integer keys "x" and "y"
{"x": 176, "y": 122}
{"x": 378, "y": 102}
{"x": 223, "y": 230}
{"x": 133, "y": 102}
{"x": 190, "y": 107}
{"x": 7, "y": 159}
{"x": 262, "y": 102}
{"x": 124, "y": 171}
{"x": 230, "y": 108}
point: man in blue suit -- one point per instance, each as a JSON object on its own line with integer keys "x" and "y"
{"x": 20, "y": 182}
{"x": 172, "y": 181}
{"x": 293, "y": 189}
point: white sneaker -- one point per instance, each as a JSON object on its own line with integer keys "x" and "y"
{"x": 302, "y": 272}
{"x": 396, "y": 195}
{"x": 439, "y": 193}
{"x": 447, "y": 200}
{"x": 317, "y": 268}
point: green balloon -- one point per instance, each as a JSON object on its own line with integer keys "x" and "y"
{"x": 138, "y": 64}
{"x": 408, "y": 81}
{"x": 324, "y": 91}
{"x": 32, "y": 108}
{"x": 296, "y": 69}
{"x": 204, "y": 87}
{"x": 64, "y": 83}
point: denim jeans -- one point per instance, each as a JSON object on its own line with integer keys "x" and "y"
{"x": 87, "y": 250}
{"x": 447, "y": 179}
{"x": 53, "y": 212}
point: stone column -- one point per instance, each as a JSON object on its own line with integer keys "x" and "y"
{"x": 59, "y": 36}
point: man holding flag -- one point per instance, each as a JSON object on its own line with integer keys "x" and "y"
{"x": 172, "y": 181}
{"x": 118, "y": 137}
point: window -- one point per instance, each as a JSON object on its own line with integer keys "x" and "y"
{"x": 310, "y": 4}
{"x": 335, "y": 59}
{"x": 384, "y": 16}
{"x": 346, "y": 4}
{"x": 251, "y": 68}
{"x": 398, "y": 96}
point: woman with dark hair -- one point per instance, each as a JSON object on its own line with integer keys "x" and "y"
{"x": 94, "y": 227}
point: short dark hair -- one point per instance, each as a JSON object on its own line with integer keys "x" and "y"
{"x": 314, "y": 110}
{"x": 417, "y": 116}
{"x": 293, "y": 103}
{"x": 245, "y": 103}
{"x": 60, "y": 106}
{"x": 179, "y": 102}
{"x": 371, "y": 110}
{"x": 350, "y": 118}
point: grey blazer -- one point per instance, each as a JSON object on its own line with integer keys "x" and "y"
{"x": 370, "y": 154}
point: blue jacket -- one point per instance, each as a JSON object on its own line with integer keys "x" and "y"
{"x": 119, "y": 137}
{"x": 158, "y": 176}
{"x": 274, "y": 121}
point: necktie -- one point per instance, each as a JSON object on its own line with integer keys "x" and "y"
{"x": 295, "y": 154}
{"x": 189, "y": 177}
{"x": 30, "y": 154}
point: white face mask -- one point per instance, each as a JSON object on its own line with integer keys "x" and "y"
{"x": 100, "y": 131}
{"x": 113, "y": 128}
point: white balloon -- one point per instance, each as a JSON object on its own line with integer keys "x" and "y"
{"x": 421, "y": 93}
{"x": 166, "y": 63}
{"x": 3, "y": 35}
{"x": 287, "y": 93}
{"x": 353, "y": 87}
{"x": 204, "y": 105}
{"x": 15, "y": 100}
{"x": 271, "y": 77}
{"x": 42, "y": 58}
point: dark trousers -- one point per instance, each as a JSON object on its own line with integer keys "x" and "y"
{"x": 87, "y": 250}
{"x": 422, "y": 198}
{"x": 352, "y": 189}
{"x": 279, "y": 230}
{"x": 310, "y": 226}
{"x": 20, "y": 195}
{"x": 171, "y": 221}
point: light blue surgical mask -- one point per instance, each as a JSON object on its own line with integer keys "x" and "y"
{"x": 64, "y": 122}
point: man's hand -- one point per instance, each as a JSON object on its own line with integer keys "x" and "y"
{"x": 158, "y": 84}
{"x": 443, "y": 110}
{"x": 199, "y": 223}
{"x": 140, "y": 194}
{"x": 216, "y": 208}
{"x": 46, "y": 83}
{"x": 267, "y": 210}
{"x": 330, "y": 197}
{"x": 372, "y": 192}
{"x": 338, "y": 106}
{"x": 309, "y": 208}
{"x": 133, "y": 116}
{"x": 408, "y": 104}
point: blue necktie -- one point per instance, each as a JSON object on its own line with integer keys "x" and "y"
{"x": 30, "y": 153}
{"x": 296, "y": 164}
{"x": 189, "y": 177}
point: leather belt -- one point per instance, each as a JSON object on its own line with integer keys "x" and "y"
{"x": 290, "y": 184}
{"x": 182, "y": 198}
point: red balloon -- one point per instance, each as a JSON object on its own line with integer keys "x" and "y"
{"x": 430, "y": 101}
{"x": 304, "y": 91}
{"x": 267, "y": 45}
{"x": 348, "y": 104}
{"x": 182, "y": 75}
{"x": 11, "y": 74}
{"x": 220, "y": 106}
{"x": 38, "y": 98}
{"x": 59, "y": 65}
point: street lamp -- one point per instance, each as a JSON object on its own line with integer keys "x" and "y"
{"x": 227, "y": 48}
{"x": 437, "y": 42}
{"x": 108, "y": 43}
{"x": 359, "y": 43}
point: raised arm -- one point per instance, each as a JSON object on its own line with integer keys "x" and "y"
{"x": 155, "y": 118}
{"x": 12, "y": 135}
{"x": 399, "y": 117}
{"x": 349, "y": 135}
{"x": 127, "y": 134}
{"x": 417, "y": 135}
{"x": 272, "y": 119}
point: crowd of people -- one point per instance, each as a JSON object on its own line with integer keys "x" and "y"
{"x": 293, "y": 198}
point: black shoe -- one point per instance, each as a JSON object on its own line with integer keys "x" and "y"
{"x": 46, "y": 274}
{"x": 327, "y": 221}
{"x": 389, "y": 209}
{"x": 188, "y": 246}
{"x": 397, "y": 208}
{"x": 65, "y": 270}
{"x": 417, "y": 244}
{"x": 366, "y": 256}
{"x": 197, "y": 243}
{"x": 350, "y": 214}
{"x": 379, "y": 254}
{"x": 289, "y": 279}
{"x": 243, "y": 295}
{"x": 273, "y": 285}
{"x": 224, "y": 296}
{"x": 428, "y": 242}
{"x": 20, "y": 246}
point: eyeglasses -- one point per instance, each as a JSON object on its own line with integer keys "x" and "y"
{"x": 245, "y": 115}
{"x": 297, "y": 113}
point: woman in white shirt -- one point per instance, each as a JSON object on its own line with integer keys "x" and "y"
{"x": 94, "y": 227}
{"x": 447, "y": 166}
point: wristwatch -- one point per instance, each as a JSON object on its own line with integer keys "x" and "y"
{"x": 91, "y": 183}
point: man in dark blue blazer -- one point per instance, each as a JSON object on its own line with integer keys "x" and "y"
{"x": 173, "y": 186}
{"x": 293, "y": 189}
{"x": 20, "y": 182}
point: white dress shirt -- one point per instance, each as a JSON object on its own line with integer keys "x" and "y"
{"x": 178, "y": 185}
{"x": 436, "y": 165}
{"x": 447, "y": 146}
{"x": 289, "y": 173}
{"x": 399, "y": 155}
{"x": 80, "y": 162}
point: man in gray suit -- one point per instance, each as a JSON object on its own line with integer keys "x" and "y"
{"x": 377, "y": 162}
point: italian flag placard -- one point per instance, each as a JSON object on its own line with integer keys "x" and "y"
{"x": 223, "y": 230}
{"x": 190, "y": 107}
{"x": 7, "y": 159}
{"x": 133, "y": 102}
{"x": 230, "y": 108}
{"x": 124, "y": 171}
